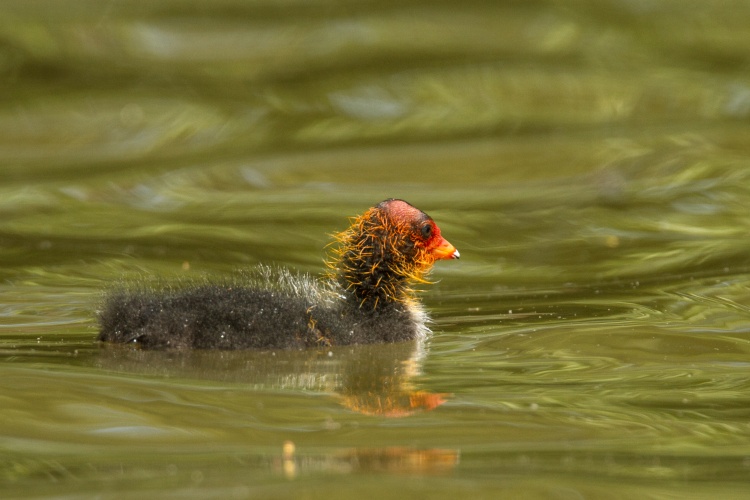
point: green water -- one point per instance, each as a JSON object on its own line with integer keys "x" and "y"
{"x": 589, "y": 159}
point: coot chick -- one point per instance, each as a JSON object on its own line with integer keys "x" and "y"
{"x": 366, "y": 297}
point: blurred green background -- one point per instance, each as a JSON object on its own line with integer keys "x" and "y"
{"x": 590, "y": 160}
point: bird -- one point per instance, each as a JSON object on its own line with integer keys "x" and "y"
{"x": 367, "y": 295}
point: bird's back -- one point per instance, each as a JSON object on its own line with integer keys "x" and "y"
{"x": 286, "y": 311}
{"x": 206, "y": 317}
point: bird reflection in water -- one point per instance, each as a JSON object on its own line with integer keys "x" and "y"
{"x": 392, "y": 460}
{"x": 377, "y": 380}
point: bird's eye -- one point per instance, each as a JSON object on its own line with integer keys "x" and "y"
{"x": 426, "y": 231}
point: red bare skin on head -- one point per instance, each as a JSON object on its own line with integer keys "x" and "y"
{"x": 399, "y": 210}
{"x": 411, "y": 219}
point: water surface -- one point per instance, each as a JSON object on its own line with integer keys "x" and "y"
{"x": 589, "y": 160}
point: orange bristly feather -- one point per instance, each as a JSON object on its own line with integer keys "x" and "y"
{"x": 355, "y": 246}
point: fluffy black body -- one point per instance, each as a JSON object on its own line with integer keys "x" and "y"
{"x": 300, "y": 313}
